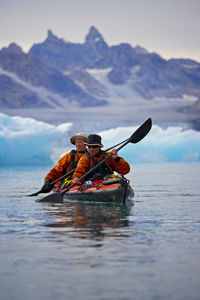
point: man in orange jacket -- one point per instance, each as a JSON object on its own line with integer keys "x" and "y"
{"x": 67, "y": 162}
{"x": 93, "y": 156}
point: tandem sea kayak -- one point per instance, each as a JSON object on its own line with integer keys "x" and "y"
{"x": 118, "y": 190}
{"x": 113, "y": 189}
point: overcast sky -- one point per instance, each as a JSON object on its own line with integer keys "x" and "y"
{"x": 170, "y": 28}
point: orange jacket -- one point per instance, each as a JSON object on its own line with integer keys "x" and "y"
{"x": 84, "y": 164}
{"x": 63, "y": 165}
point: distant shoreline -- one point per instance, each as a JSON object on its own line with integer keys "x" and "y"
{"x": 164, "y": 114}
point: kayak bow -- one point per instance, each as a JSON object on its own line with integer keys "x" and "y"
{"x": 113, "y": 189}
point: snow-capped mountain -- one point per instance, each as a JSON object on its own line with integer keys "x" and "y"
{"x": 58, "y": 73}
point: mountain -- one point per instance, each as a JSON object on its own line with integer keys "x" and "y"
{"x": 14, "y": 95}
{"x": 58, "y": 73}
{"x": 32, "y": 74}
{"x": 148, "y": 74}
{"x": 63, "y": 55}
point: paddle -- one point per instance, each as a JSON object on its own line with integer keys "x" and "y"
{"x": 115, "y": 145}
{"x": 67, "y": 174}
{"x": 137, "y": 136}
{"x": 52, "y": 183}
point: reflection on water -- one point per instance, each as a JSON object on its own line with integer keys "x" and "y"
{"x": 102, "y": 251}
{"x": 88, "y": 220}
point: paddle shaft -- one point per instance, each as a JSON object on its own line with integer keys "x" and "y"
{"x": 116, "y": 145}
{"x": 53, "y": 182}
{"x": 65, "y": 175}
{"x": 136, "y": 137}
{"x": 95, "y": 167}
{"x": 70, "y": 172}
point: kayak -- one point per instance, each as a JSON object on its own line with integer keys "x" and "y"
{"x": 113, "y": 189}
{"x": 118, "y": 191}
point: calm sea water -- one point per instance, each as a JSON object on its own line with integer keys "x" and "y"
{"x": 149, "y": 250}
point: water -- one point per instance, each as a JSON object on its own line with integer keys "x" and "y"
{"x": 145, "y": 251}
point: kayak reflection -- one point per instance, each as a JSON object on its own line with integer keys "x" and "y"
{"x": 87, "y": 220}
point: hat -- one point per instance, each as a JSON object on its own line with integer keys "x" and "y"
{"x": 94, "y": 140}
{"x": 78, "y": 136}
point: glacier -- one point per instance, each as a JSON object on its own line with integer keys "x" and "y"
{"x": 26, "y": 141}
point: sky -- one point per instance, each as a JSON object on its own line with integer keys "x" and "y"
{"x": 171, "y": 28}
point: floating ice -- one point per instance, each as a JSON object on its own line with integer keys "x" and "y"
{"x": 160, "y": 145}
{"x": 25, "y": 141}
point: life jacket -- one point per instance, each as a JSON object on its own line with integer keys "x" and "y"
{"x": 101, "y": 171}
{"x": 73, "y": 165}
{"x": 73, "y": 161}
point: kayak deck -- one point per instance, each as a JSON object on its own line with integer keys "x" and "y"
{"x": 116, "y": 190}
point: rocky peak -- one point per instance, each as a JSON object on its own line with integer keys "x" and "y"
{"x": 95, "y": 41}
{"x": 51, "y": 51}
{"x": 50, "y": 34}
{"x": 93, "y": 35}
{"x": 12, "y": 49}
{"x": 53, "y": 39}
{"x": 140, "y": 50}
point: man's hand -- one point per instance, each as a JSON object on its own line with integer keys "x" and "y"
{"x": 76, "y": 181}
{"x": 47, "y": 187}
{"x": 114, "y": 153}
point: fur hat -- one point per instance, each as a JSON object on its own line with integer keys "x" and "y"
{"x": 79, "y": 136}
{"x": 94, "y": 140}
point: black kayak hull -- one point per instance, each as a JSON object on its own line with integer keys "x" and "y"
{"x": 117, "y": 194}
{"x": 114, "y": 190}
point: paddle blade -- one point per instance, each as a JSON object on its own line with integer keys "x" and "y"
{"x": 141, "y": 132}
{"x": 53, "y": 198}
{"x": 35, "y": 194}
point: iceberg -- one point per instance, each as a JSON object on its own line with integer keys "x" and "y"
{"x": 25, "y": 141}
{"x": 160, "y": 145}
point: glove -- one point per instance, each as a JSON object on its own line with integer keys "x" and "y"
{"x": 47, "y": 187}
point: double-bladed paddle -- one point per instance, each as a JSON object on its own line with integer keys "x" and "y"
{"x": 136, "y": 137}
{"x": 67, "y": 174}
{"x": 116, "y": 145}
{"x": 52, "y": 183}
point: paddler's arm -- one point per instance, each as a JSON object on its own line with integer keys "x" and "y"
{"x": 82, "y": 167}
{"x": 59, "y": 168}
{"x": 114, "y": 153}
{"x": 118, "y": 163}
